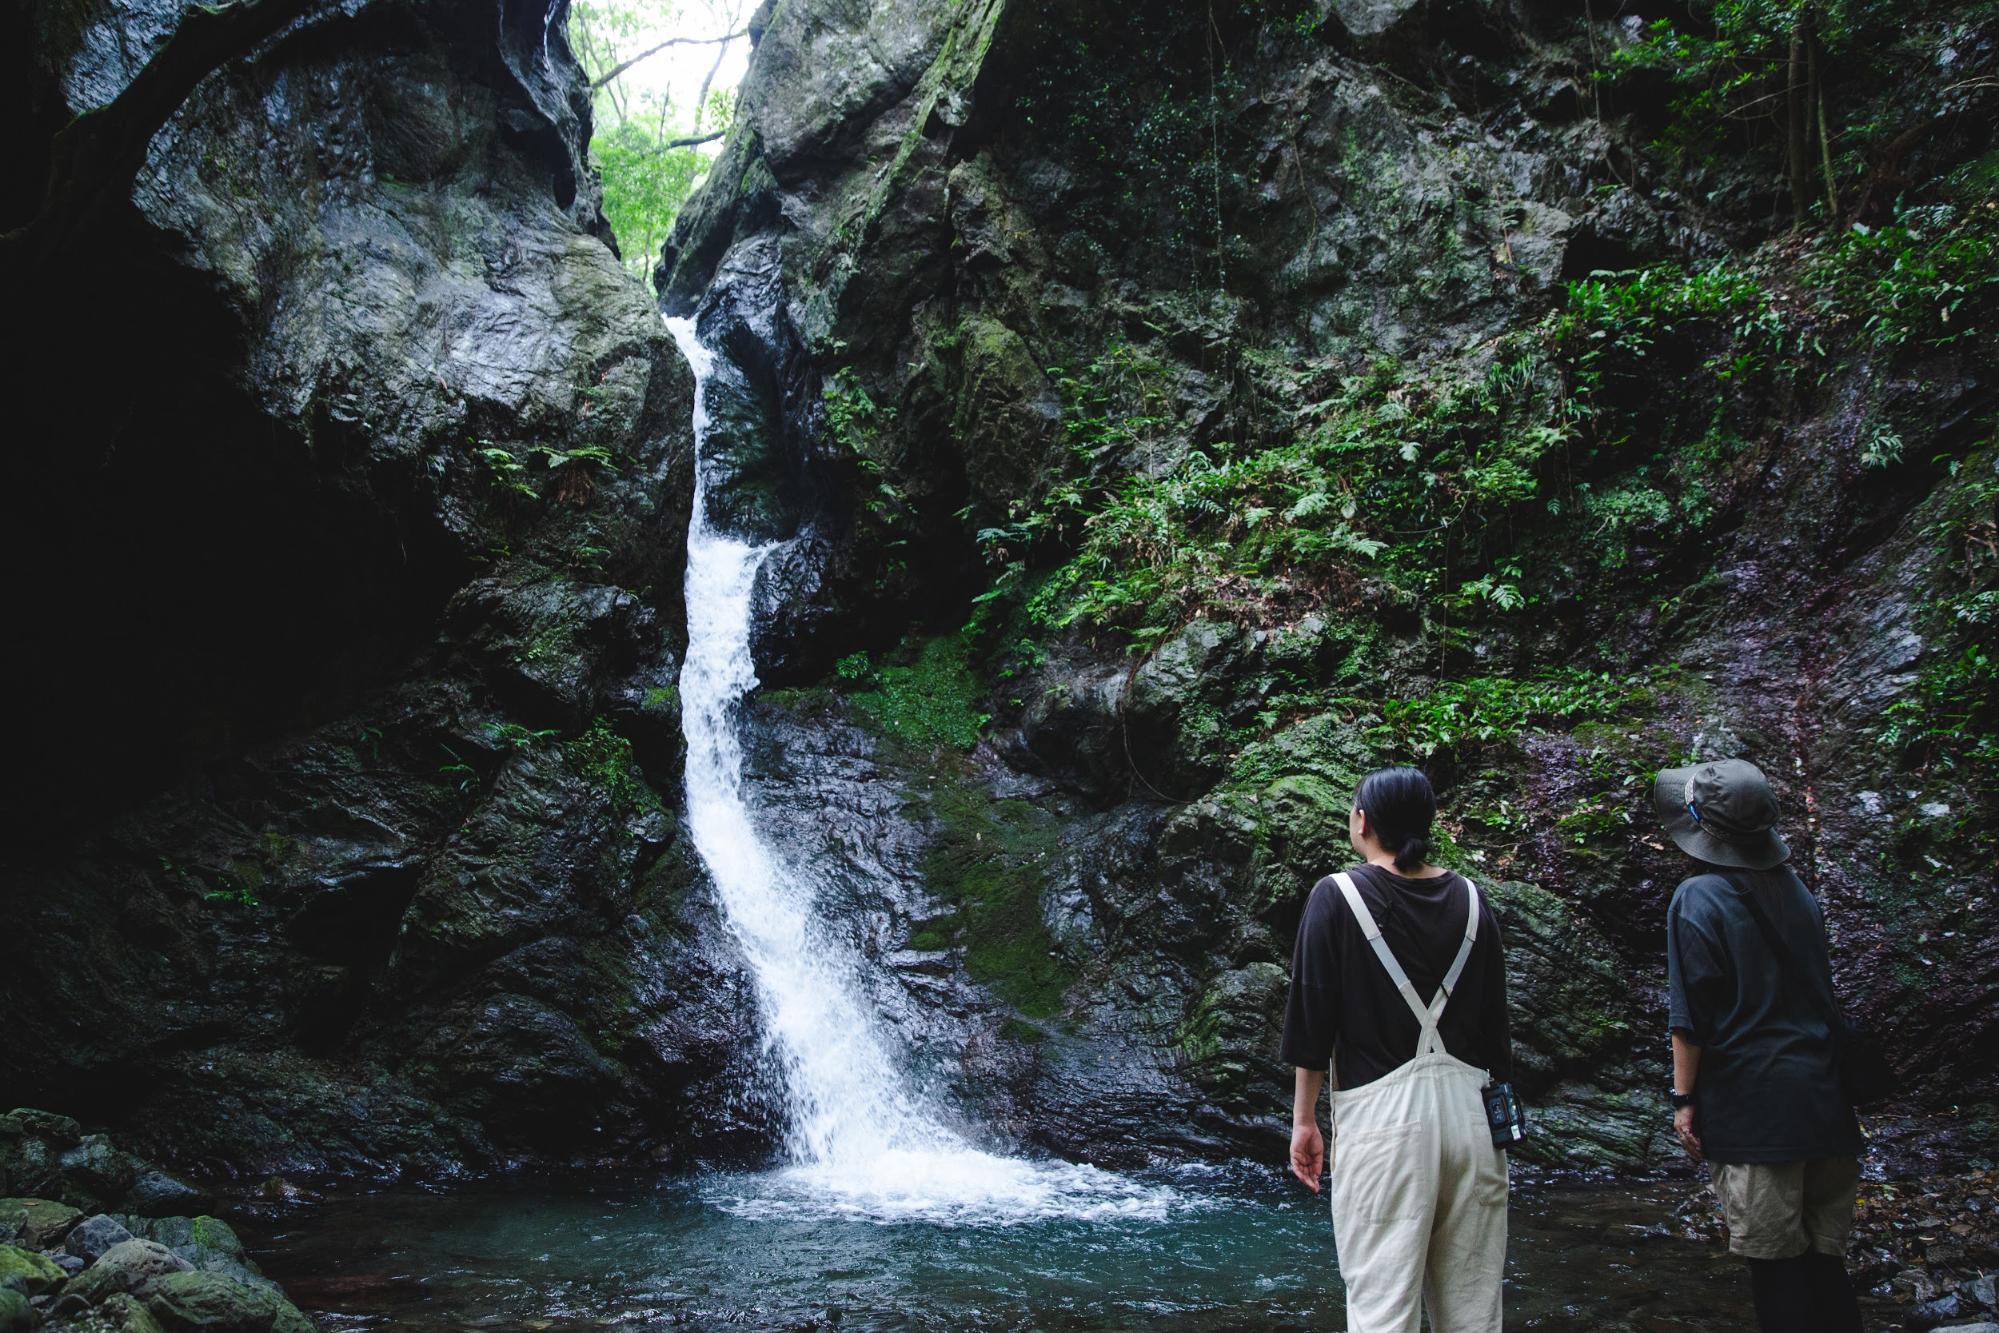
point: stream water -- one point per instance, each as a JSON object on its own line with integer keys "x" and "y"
{"x": 1244, "y": 1250}
{"x": 883, "y": 1215}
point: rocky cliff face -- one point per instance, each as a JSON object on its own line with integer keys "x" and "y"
{"x": 1051, "y": 302}
{"x": 1177, "y": 410}
{"x": 350, "y": 532}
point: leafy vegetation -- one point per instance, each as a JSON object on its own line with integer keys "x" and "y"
{"x": 1417, "y": 487}
{"x": 1501, "y": 708}
{"x": 1605, "y": 430}
{"x": 1931, "y": 278}
{"x": 1813, "y": 88}
{"x": 651, "y": 135}
{"x": 1950, "y": 719}
{"x": 931, "y": 699}
{"x": 605, "y": 758}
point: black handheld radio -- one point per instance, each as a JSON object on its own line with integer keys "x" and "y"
{"x": 1504, "y": 1115}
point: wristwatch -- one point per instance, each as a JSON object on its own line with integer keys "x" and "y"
{"x": 1679, "y": 1099}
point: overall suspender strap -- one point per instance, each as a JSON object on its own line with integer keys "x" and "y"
{"x": 1426, "y": 1015}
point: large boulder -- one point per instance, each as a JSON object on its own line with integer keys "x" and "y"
{"x": 27, "y": 1271}
{"x": 212, "y": 1303}
{"x": 90, "y": 1238}
{"x": 129, "y": 1266}
{"x": 36, "y": 1222}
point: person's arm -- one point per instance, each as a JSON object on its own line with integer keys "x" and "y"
{"x": 1308, "y": 1145}
{"x": 1692, "y": 970}
{"x": 1311, "y": 1027}
{"x": 1499, "y": 1052}
{"x": 1686, "y": 1072}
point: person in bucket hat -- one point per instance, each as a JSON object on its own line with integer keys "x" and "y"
{"x": 1756, "y": 1089}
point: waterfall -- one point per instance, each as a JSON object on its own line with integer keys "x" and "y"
{"x": 863, "y": 1139}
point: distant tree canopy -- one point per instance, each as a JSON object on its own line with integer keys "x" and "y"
{"x": 651, "y": 146}
{"x": 1824, "y": 86}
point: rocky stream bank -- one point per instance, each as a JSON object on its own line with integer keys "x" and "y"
{"x": 96, "y": 1240}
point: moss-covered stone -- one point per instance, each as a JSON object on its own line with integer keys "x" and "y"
{"x": 986, "y": 860}
{"x": 36, "y": 1222}
{"x": 129, "y": 1266}
{"x": 200, "y": 1302}
{"x": 123, "y": 1313}
{"x": 930, "y": 698}
{"x": 31, "y": 1272}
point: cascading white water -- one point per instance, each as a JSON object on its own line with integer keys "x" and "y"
{"x": 865, "y": 1142}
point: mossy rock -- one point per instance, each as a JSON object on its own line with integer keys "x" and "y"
{"x": 987, "y": 861}
{"x": 932, "y": 700}
{"x": 1230, "y": 1035}
{"x": 36, "y": 1222}
{"x": 130, "y": 1265}
{"x": 212, "y": 1303}
{"x": 1301, "y": 834}
{"x": 1572, "y": 1001}
{"x": 57, "y": 1129}
{"x": 16, "y": 1315}
{"x": 25, "y": 1270}
{"x": 124, "y": 1314}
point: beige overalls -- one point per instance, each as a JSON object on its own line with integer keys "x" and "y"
{"x": 1419, "y": 1191}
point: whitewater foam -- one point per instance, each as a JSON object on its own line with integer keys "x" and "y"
{"x": 865, "y": 1143}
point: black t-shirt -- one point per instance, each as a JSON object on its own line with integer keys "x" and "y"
{"x": 1767, "y": 1089}
{"x": 1341, "y": 996}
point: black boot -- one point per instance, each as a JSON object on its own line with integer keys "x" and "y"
{"x": 1783, "y": 1290}
{"x": 1835, "y": 1308}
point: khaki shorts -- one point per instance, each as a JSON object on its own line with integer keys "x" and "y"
{"x": 1779, "y": 1210}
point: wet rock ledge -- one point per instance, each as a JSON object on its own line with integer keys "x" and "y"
{"x": 94, "y": 1238}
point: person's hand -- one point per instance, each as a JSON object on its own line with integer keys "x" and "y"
{"x": 1308, "y": 1155}
{"x": 1683, "y": 1125}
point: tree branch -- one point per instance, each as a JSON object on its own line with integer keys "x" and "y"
{"x": 689, "y": 143}
{"x": 616, "y": 70}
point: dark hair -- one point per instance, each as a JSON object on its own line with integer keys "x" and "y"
{"x": 1401, "y": 806}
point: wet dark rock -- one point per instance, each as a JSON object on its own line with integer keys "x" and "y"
{"x": 154, "y": 1193}
{"x": 134, "y": 1266}
{"x": 1942, "y": 1310}
{"x": 36, "y": 1223}
{"x": 210, "y": 1301}
{"x": 433, "y": 721}
{"x": 58, "y": 1130}
{"x": 97, "y": 1170}
{"x": 91, "y": 1237}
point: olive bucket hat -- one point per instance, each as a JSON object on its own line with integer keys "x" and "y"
{"x": 1722, "y": 813}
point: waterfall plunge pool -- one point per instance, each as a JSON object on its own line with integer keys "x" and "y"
{"x": 893, "y": 1220}
{"x": 1196, "y": 1248}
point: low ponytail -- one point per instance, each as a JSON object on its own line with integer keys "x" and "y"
{"x": 1401, "y": 806}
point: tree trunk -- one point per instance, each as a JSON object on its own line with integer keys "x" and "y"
{"x": 1825, "y": 139}
{"x": 1796, "y": 109}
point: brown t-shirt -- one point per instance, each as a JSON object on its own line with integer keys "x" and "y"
{"x": 1341, "y": 997}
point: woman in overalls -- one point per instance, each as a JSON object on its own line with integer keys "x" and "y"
{"x": 1398, "y": 982}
